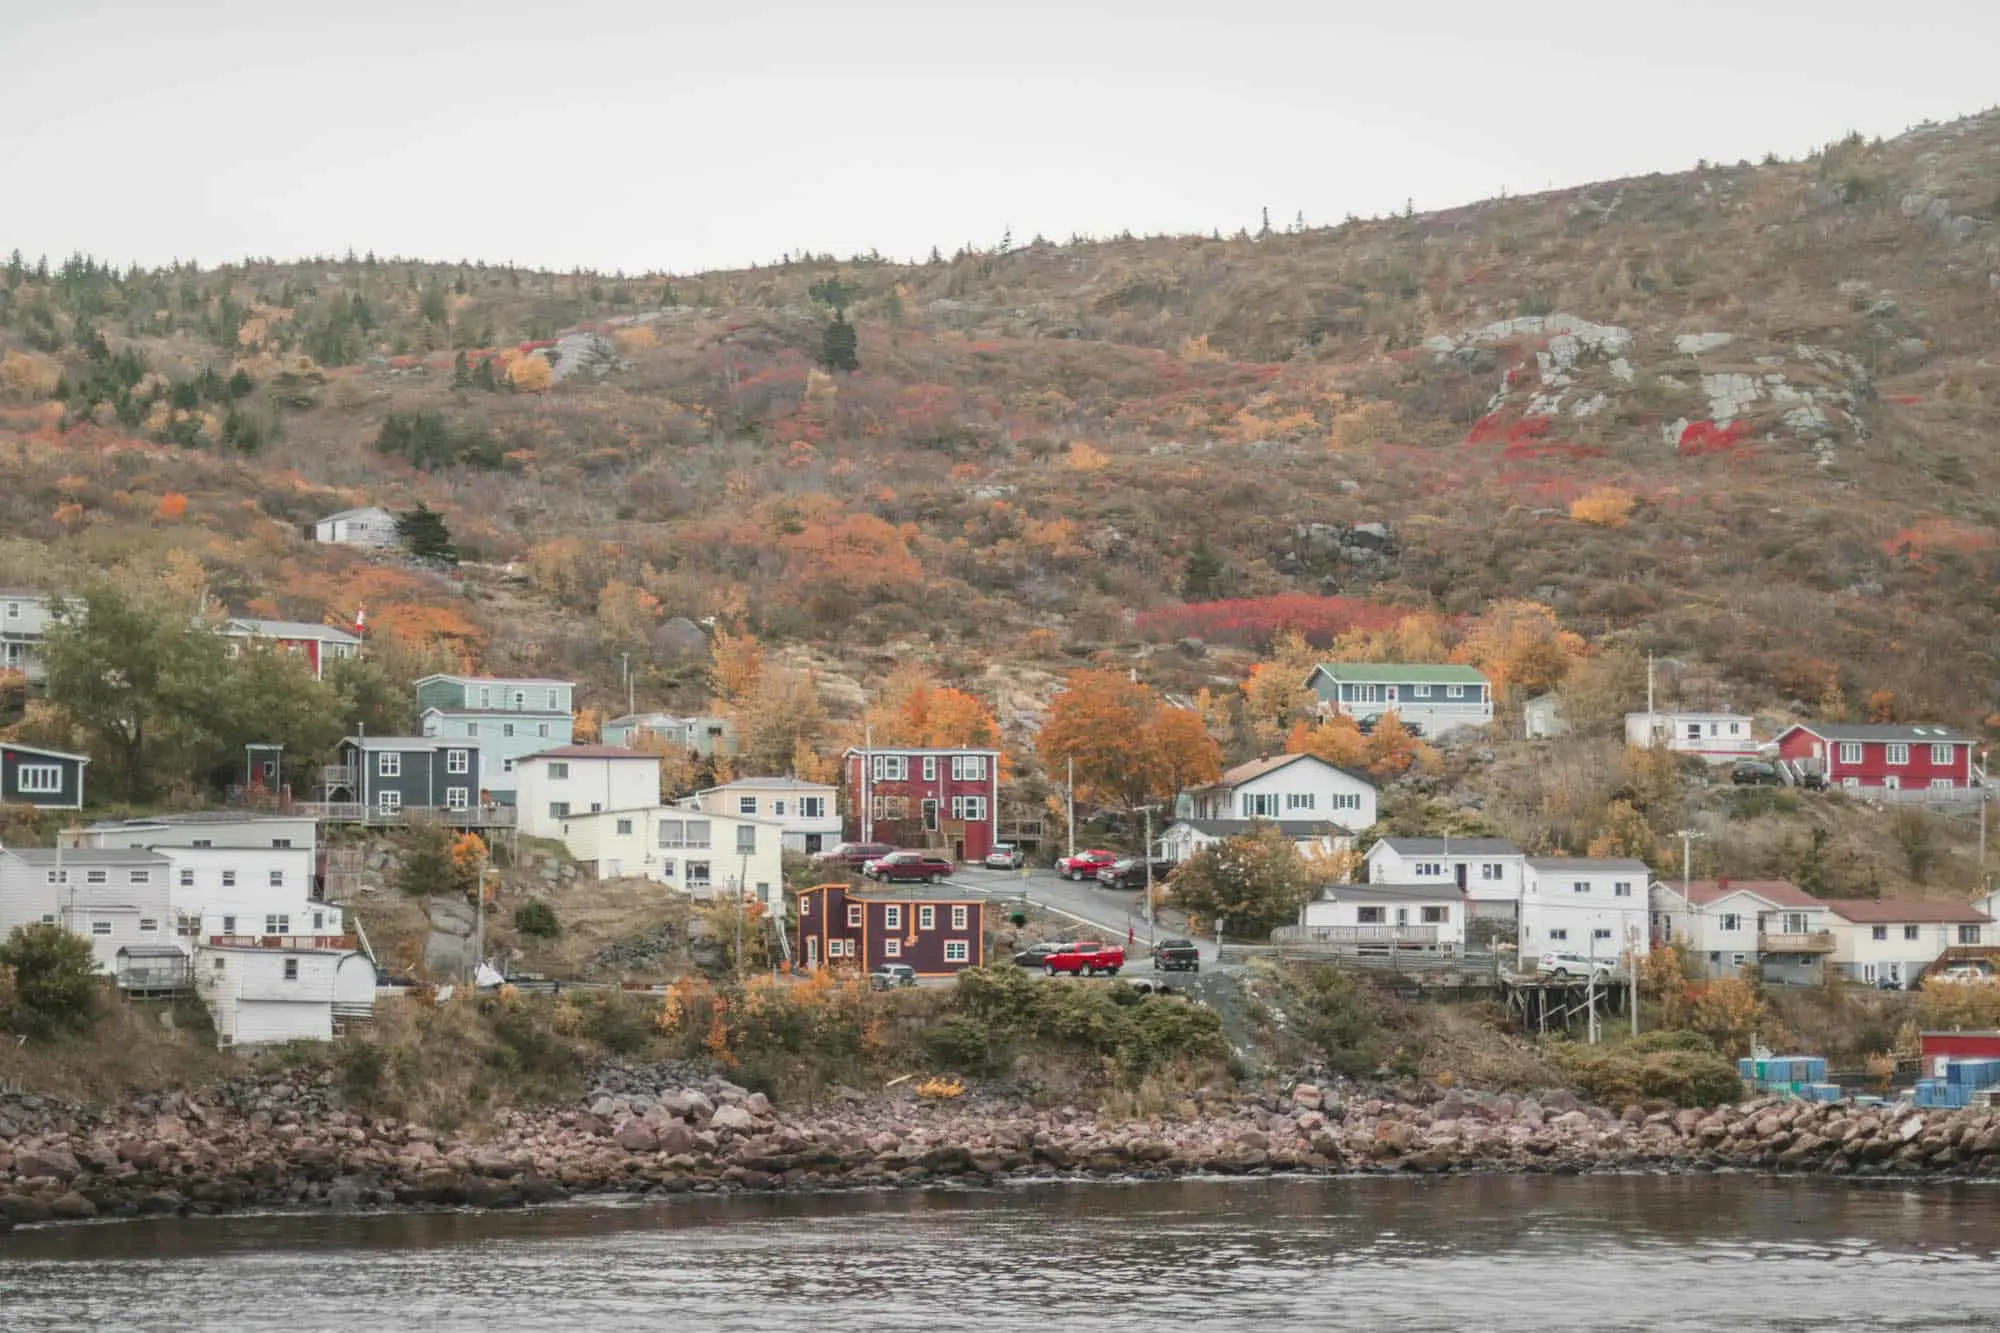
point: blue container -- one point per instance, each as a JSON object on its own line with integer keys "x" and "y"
{"x": 1747, "y": 1070}
{"x": 1816, "y": 1069}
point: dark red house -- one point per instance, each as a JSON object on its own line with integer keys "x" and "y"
{"x": 948, "y": 800}
{"x": 317, "y": 644}
{"x": 844, "y": 926}
{"x": 1888, "y": 756}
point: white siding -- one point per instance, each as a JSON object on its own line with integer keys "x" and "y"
{"x": 1307, "y": 789}
{"x": 81, "y": 907}
{"x": 1557, "y": 918}
{"x": 1490, "y": 877}
{"x": 588, "y": 786}
{"x": 1711, "y": 735}
{"x": 781, "y": 805}
{"x": 252, "y": 897}
{"x": 637, "y": 852}
{"x": 254, "y": 1003}
{"x": 1343, "y": 906}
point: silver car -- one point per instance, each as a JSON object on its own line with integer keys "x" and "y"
{"x": 1006, "y": 856}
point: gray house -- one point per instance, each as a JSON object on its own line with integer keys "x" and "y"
{"x": 24, "y": 620}
{"x": 115, "y": 898}
{"x": 386, "y": 776}
{"x": 49, "y": 779}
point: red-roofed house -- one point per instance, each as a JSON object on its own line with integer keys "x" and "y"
{"x": 1892, "y": 942}
{"x": 1884, "y": 756}
{"x": 1727, "y": 924}
{"x": 317, "y": 644}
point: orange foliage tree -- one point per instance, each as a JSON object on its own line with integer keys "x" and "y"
{"x": 172, "y": 506}
{"x": 1337, "y": 740}
{"x": 1275, "y": 696}
{"x": 1605, "y": 506}
{"x": 915, "y": 710}
{"x": 1519, "y": 645}
{"x": 737, "y": 664}
{"x": 858, "y": 553}
{"x": 1130, "y": 747}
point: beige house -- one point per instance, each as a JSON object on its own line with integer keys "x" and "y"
{"x": 804, "y": 810}
{"x": 1877, "y": 942}
{"x": 703, "y": 854}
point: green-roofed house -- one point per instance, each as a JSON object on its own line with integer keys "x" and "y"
{"x": 1431, "y": 696}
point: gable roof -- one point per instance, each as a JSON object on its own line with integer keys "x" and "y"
{"x": 39, "y": 752}
{"x": 413, "y": 742}
{"x": 1392, "y": 893}
{"x": 1875, "y": 912}
{"x": 493, "y": 680}
{"x": 1777, "y": 892}
{"x": 1291, "y": 828}
{"x": 82, "y": 856}
{"x": 1587, "y": 864}
{"x": 767, "y": 784}
{"x": 357, "y": 513}
{"x": 289, "y": 629}
{"x": 1257, "y": 768}
{"x": 495, "y": 711}
{"x": 588, "y": 752}
{"x": 1924, "y": 732}
{"x": 1448, "y": 847}
{"x": 914, "y": 749}
{"x": 1400, "y": 673}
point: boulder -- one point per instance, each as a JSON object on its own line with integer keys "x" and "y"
{"x": 636, "y": 1136}
{"x": 733, "y": 1118}
{"x": 1307, "y": 1096}
{"x": 46, "y": 1164}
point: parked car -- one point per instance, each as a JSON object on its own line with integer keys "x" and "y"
{"x": 1965, "y": 974}
{"x": 1755, "y": 773}
{"x": 1085, "y": 865}
{"x": 1130, "y": 873}
{"x": 852, "y": 855}
{"x": 1563, "y": 966}
{"x": 1006, "y": 856}
{"x": 1036, "y": 954}
{"x": 1176, "y": 956}
{"x": 1085, "y": 958}
{"x": 909, "y": 868}
{"x": 889, "y": 975}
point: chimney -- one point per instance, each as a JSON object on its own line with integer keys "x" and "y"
{"x": 1721, "y": 884}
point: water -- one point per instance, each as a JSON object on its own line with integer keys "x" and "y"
{"x": 1489, "y": 1254}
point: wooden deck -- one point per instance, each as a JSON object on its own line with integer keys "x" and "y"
{"x": 366, "y": 816}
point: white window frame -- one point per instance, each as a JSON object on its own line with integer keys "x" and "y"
{"x": 1898, "y": 753}
{"x": 1944, "y": 756}
{"x": 700, "y": 875}
{"x": 892, "y": 768}
{"x": 291, "y": 969}
{"x": 1259, "y": 805}
{"x": 927, "y": 917}
{"x": 1579, "y": 886}
{"x": 958, "y": 951}
{"x": 960, "y": 915}
{"x": 930, "y": 768}
{"x": 277, "y": 879}
{"x": 1420, "y": 691}
{"x": 457, "y": 798}
{"x": 1600, "y": 933}
{"x": 623, "y": 828}
{"x": 1891, "y": 782}
{"x": 278, "y": 923}
{"x": 892, "y": 916}
{"x": 1621, "y": 888}
{"x": 892, "y": 947}
{"x": 1559, "y": 934}
{"x": 1850, "y": 752}
{"x": 558, "y": 771}
{"x": 100, "y": 927}
{"x": 746, "y": 805}
{"x": 1454, "y": 691}
{"x": 968, "y": 768}
{"x": 1732, "y": 922}
{"x": 1492, "y": 870}
{"x": 149, "y": 925}
{"x": 187, "y": 879}
{"x": 969, "y": 808}
{"x": 1299, "y": 800}
{"x": 388, "y": 764}
{"x": 96, "y": 876}
{"x": 746, "y": 839}
{"x": 777, "y": 809}
{"x": 812, "y": 807}
{"x": 1942, "y": 784}
{"x": 39, "y": 779}
{"x": 388, "y": 802}
{"x": 558, "y": 809}
{"x": 1347, "y": 800}
{"x": 854, "y": 916}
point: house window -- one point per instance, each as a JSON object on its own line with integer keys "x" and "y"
{"x": 959, "y": 916}
{"x": 291, "y": 969}
{"x": 520, "y": 700}
{"x": 1968, "y": 934}
{"x": 187, "y": 879}
{"x": 1731, "y": 922}
{"x": 892, "y": 917}
{"x": 1490, "y": 870}
{"x": 100, "y": 927}
{"x": 1899, "y": 754}
{"x": 927, "y": 918}
{"x": 149, "y": 925}
{"x": 1892, "y": 783}
{"x": 229, "y": 925}
{"x": 457, "y": 798}
{"x": 542, "y": 730}
{"x": 746, "y": 805}
{"x": 277, "y": 879}
{"x": 746, "y": 839}
{"x": 1942, "y": 784}
{"x": 1298, "y": 800}
{"x": 38, "y": 779}
{"x": 1260, "y": 805}
{"x": 1560, "y": 933}
{"x": 506, "y": 728}
{"x": 957, "y": 951}
{"x": 277, "y": 924}
{"x": 805, "y": 907}
{"x": 812, "y": 807}
{"x": 1435, "y": 916}
{"x": 1347, "y": 800}
{"x": 968, "y": 807}
{"x": 1850, "y": 783}
{"x": 558, "y": 809}
{"x": 892, "y": 948}
{"x": 697, "y": 875}
{"x": 1941, "y": 756}
{"x": 892, "y": 767}
{"x": 558, "y": 772}
{"x": 1370, "y": 916}
{"x": 281, "y": 842}
{"x": 94, "y": 876}
{"x": 892, "y": 807}
{"x": 471, "y": 729}
{"x": 388, "y": 802}
{"x": 1622, "y": 889}
{"x": 229, "y": 879}
{"x": 204, "y": 842}
{"x": 1579, "y": 886}
{"x": 1879, "y": 933}
{"x": 778, "y": 809}
{"x": 506, "y": 765}
{"x": 853, "y": 916}
{"x": 1850, "y": 752}
{"x": 624, "y": 827}
{"x": 1454, "y": 691}
{"x": 930, "y": 768}
{"x": 457, "y": 761}
{"x": 1420, "y": 691}
{"x": 1600, "y": 934}
{"x": 555, "y": 697}
{"x": 389, "y": 764}
{"x": 968, "y": 767}
{"x": 1909, "y": 932}
{"x": 48, "y": 918}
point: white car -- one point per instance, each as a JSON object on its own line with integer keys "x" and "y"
{"x": 1965, "y": 974}
{"x": 1005, "y": 856}
{"x": 1566, "y": 965}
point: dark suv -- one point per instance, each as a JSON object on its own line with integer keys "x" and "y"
{"x": 1755, "y": 773}
{"x": 909, "y": 868}
{"x": 1130, "y": 873}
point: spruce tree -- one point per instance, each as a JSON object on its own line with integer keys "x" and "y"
{"x": 424, "y": 535}
{"x": 839, "y": 347}
{"x": 1202, "y": 573}
{"x": 461, "y": 371}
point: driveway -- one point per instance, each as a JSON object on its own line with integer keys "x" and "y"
{"x": 1110, "y": 912}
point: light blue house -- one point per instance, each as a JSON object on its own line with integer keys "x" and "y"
{"x": 509, "y": 718}
{"x": 703, "y": 736}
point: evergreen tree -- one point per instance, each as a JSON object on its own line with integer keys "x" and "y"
{"x": 461, "y": 371}
{"x": 1265, "y": 230}
{"x": 424, "y": 535}
{"x": 839, "y": 347}
{"x": 483, "y": 377}
{"x": 1201, "y": 576}
{"x": 17, "y": 269}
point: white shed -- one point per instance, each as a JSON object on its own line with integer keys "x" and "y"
{"x": 263, "y": 995}
{"x": 369, "y": 526}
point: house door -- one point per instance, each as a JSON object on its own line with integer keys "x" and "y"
{"x": 930, "y": 816}
{"x": 958, "y": 849}
{"x": 1402, "y": 917}
{"x": 1459, "y": 871}
{"x": 812, "y": 951}
{"x": 613, "y": 868}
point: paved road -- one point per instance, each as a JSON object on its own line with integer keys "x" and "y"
{"x": 1110, "y": 911}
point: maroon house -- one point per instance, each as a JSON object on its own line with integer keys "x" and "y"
{"x": 948, "y": 800}
{"x": 1888, "y": 756}
{"x": 844, "y": 926}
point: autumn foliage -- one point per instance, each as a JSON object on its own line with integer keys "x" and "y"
{"x": 1606, "y": 506}
{"x": 915, "y": 710}
{"x": 1257, "y": 621}
{"x": 1130, "y": 747}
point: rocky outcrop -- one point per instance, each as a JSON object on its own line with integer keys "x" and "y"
{"x": 287, "y": 1141}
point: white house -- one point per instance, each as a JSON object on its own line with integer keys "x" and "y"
{"x": 1488, "y": 871}
{"x": 1542, "y": 718}
{"x": 24, "y": 621}
{"x": 581, "y": 779}
{"x": 804, "y": 810}
{"x": 1596, "y": 908}
{"x": 1716, "y": 737}
{"x": 1184, "y": 837}
{"x": 203, "y": 828}
{"x": 1403, "y": 916}
{"x": 1433, "y": 698}
{"x": 1888, "y": 941}
{"x": 1300, "y": 787}
{"x": 232, "y": 873}
{"x": 263, "y": 994}
{"x": 700, "y": 853}
{"x": 1728, "y": 924}
{"x": 369, "y": 526}
{"x": 115, "y": 898}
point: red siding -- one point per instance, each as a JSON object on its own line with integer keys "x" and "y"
{"x": 1800, "y": 743}
{"x": 1961, "y": 1045}
{"x": 823, "y": 919}
{"x": 915, "y": 789}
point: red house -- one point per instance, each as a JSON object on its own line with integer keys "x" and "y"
{"x": 943, "y": 799}
{"x": 1875, "y": 755}
{"x": 844, "y": 926}
{"x": 317, "y": 644}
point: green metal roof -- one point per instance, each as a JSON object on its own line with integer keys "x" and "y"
{"x": 1401, "y": 673}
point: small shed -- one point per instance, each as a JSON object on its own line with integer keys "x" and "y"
{"x": 1542, "y": 719}
{"x": 153, "y": 969}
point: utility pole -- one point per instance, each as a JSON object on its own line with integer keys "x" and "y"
{"x": 625, "y": 661}
{"x": 867, "y": 779}
{"x": 1147, "y": 810}
{"x": 479, "y": 918}
{"x": 1070, "y": 793}
{"x": 1983, "y": 794}
{"x": 1632, "y": 935}
{"x": 1649, "y": 692}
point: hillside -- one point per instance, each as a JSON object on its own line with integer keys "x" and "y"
{"x": 1739, "y": 416}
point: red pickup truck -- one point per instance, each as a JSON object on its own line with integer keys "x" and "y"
{"x": 1085, "y": 865}
{"x": 1085, "y": 958}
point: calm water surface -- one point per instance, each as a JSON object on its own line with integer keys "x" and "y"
{"x": 1411, "y": 1255}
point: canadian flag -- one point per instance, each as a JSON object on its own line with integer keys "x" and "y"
{"x": 360, "y": 619}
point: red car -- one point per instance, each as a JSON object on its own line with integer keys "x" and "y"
{"x": 1085, "y": 865}
{"x": 909, "y": 867}
{"x": 1085, "y": 958}
{"x": 852, "y": 855}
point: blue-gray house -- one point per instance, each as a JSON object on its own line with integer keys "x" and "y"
{"x": 505, "y": 718}
{"x": 389, "y": 776}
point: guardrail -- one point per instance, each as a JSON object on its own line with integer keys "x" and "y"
{"x": 1401, "y": 937}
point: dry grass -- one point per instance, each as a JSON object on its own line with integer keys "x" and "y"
{"x": 1470, "y": 1048}
{"x": 135, "y": 1047}
{"x": 593, "y": 914}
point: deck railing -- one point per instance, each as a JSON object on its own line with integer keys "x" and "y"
{"x": 354, "y": 812}
{"x": 1811, "y": 941}
{"x": 1401, "y": 937}
{"x": 342, "y": 942}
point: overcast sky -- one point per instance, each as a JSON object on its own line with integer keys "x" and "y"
{"x": 651, "y": 134}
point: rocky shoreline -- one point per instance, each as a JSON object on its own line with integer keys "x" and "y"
{"x": 287, "y": 1141}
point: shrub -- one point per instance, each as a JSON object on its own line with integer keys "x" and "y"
{"x": 1678, "y": 1067}
{"x": 54, "y": 980}
{"x": 537, "y": 917}
{"x": 1338, "y": 1017}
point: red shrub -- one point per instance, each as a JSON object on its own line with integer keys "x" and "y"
{"x": 1255, "y": 621}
